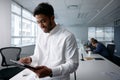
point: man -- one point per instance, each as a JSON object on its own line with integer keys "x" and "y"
{"x": 100, "y": 48}
{"x": 56, "y": 52}
{"x": 89, "y": 45}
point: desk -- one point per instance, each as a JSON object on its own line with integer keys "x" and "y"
{"x": 98, "y": 69}
{"x": 88, "y": 70}
{"x": 23, "y": 75}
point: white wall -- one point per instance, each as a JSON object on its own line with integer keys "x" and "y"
{"x": 5, "y": 22}
{"x": 80, "y": 32}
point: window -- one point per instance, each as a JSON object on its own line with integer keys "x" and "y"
{"x": 109, "y": 33}
{"x": 100, "y": 33}
{"x": 91, "y": 32}
{"x": 16, "y": 8}
{"x": 26, "y": 14}
{"x": 104, "y": 34}
{"x": 23, "y": 26}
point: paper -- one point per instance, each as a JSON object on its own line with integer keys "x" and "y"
{"x": 89, "y": 58}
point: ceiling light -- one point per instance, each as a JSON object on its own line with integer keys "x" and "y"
{"x": 72, "y": 6}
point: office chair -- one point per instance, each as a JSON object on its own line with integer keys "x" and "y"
{"x": 9, "y": 70}
{"x": 111, "y": 49}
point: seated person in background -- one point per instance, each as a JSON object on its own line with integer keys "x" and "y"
{"x": 100, "y": 48}
{"x": 90, "y": 44}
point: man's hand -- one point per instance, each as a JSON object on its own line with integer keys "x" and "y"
{"x": 25, "y": 60}
{"x": 42, "y": 71}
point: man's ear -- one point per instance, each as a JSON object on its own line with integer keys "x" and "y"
{"x": 52, "y": 18}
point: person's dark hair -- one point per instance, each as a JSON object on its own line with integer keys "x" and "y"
{"x": 44, "y": 8}
{"x": 94, "y": 41}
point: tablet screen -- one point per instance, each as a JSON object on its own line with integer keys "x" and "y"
{"x": 23, "y": 65}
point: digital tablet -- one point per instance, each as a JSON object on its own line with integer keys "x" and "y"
{"x": 22, "y": 65}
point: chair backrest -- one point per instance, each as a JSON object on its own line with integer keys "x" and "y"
{"x": 9, "y": 53}
{"x": 111, "y": 49}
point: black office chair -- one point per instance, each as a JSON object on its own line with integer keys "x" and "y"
{"x": 111, "y": 49}
{"x": 9, "y": 70}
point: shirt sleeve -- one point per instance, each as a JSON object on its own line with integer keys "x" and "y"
{"x": 71, "y": 56}
{"x": 35, "y": 56}
{"x": 98, "y": 48}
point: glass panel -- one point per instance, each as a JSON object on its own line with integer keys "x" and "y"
{"x": 109, "y": 33}
{"x": 104, "y": 34}
{"x": 15, "y": 41}
{"x": 33, "y": 32}
{"x": 33, "y": 18}
{"x": 27, "y": 14}
{"x": 15, "y": 25}
{"x": 27, "y": 40}
{"x": 16, "y": 8}
{"x": 26, "y": 28}
{"x": 99, "y": 33}
{"x": 25, "y": 32}
{"x": 91, "y": 32}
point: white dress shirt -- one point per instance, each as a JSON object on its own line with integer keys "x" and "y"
{"x": 57, "y": 50}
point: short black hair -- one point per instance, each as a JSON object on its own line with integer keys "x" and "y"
{"x": 44, "y": 8}
{"x": 94, "y": 41}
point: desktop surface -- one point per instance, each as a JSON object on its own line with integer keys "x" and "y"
{"x": 100, "y": 69}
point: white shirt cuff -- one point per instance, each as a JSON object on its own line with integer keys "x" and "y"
{"x": 56, "y": 71}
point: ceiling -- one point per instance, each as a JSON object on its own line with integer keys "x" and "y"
{"x": 80, "y": 12}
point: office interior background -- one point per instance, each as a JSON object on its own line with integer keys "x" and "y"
{"x": 85, "y": 18}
